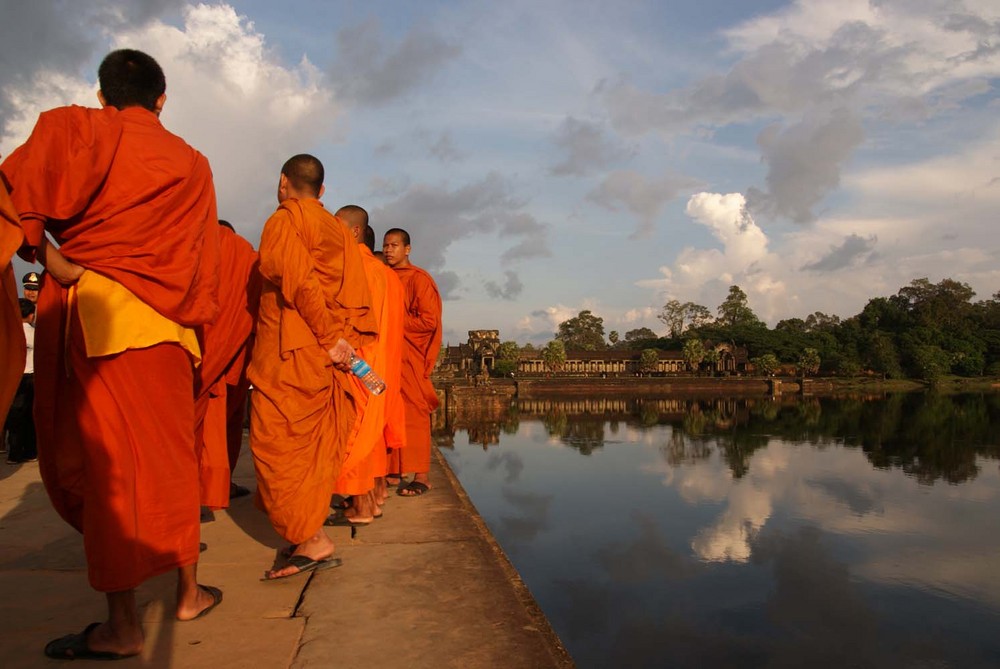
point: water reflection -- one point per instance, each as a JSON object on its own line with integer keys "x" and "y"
{"x": 747, "y": 532}
{"x": 929, "y": 436}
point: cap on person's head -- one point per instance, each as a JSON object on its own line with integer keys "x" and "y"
{"x": 31, "y": 281}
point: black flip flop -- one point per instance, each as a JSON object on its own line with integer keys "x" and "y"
{"x": 305, "y": 564}
{"x": 340, "y": 520}
{"x": 416, "y": 489}
{"x": 340, "y": 502}
{"x": 74, "y": 647}
{"x": 216, "y": 600}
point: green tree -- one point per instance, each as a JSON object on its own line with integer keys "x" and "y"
{"x": 766, "y": 364}
{"x": 711, "y": 359}
{"x": 820, "y": 322}
{"x": 735, "y": 310}
{"x": 680, "y": 316}
{"x": 649, "y": 359}
{"x": 697, "y": 315}
{"x": 809, "y": 361}
{"x": 792, "y": 325}
{"x": 694, "y": 353}
{"x": 554, "y": 354}
{"x": 939, "y": 305}
{"x": 637, "y": 337}
{"x": 584, "y": 332}
{"x": 506, "y": 358}
{"x": 508, "y": 350}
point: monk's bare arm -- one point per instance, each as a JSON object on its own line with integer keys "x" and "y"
{"x": 55, "y": 263}
{"x": 285, "y": 262}
{"x": 424, "y": 314}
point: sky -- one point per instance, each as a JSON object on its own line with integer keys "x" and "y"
{"x": 548, "y": 158}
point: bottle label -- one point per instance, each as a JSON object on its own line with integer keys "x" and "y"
{"x": 360, "y": 367}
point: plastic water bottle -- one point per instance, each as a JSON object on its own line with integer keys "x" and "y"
{"x": 363, "y": 371}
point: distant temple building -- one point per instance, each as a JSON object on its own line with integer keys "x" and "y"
{"x": 478, "y": 356}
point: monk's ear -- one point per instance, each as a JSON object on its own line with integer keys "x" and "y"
{"x": 322, "y": 189}
{"x": 160, "y": 101}
{"x": 100, "y": 98}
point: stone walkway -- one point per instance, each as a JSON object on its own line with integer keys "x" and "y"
{"x": 424, "y": 586}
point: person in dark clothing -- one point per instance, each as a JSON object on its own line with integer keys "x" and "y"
{"x": 20, "y": 424}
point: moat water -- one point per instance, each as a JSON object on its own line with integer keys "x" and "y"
{"x": 794, "y": 532}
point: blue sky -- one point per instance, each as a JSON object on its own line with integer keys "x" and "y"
{"x": 553, "y": 157}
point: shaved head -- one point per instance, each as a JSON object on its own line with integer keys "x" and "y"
{"x": 304, "y": 173}
{"x": 354, "y": 216}
{"x": 130, "y": 78}
{"x": 356, "y": 220}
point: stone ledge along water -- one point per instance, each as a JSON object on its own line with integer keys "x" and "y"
{"x": 424, "y": 586}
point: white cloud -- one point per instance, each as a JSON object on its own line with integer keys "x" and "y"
{"x": 227, "y": 95}
{"x": 230, "y": 98}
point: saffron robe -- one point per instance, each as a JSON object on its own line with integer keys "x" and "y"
{"x": 126, "y": 199}
{"x": 11, "y": 333}
{"x": 224, "y": 359}
{"x": 422, "y": 343}
{"x": 302, "y": 408}
{"x": 384, "y": 356}
{"x": 394, "y": 433}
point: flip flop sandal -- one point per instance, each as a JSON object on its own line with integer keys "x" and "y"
{"x": 305, "y": 564}
{"x": 74, "y": 647}
{"x": 415, "y": 488}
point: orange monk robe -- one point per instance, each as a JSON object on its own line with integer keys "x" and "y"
{"x": 224, "y": 344}
{"x": 422, "y": 342}
{"x": 302, "y": 407}
{"x": 394, "y": 434}
{"x": 366, "y": 446}
{"x": 11, "y": 332}
{"x": 135, "y": 206}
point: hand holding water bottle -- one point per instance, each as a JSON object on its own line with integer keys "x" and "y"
{"x": 341, "y": 354}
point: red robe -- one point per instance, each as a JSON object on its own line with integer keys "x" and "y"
{"x": 126, "y": 199}
{"x": 422, "y": 337}
{"x": 11, "y": 333}
{"x": 365, "y": 458}
{"x": 224, "y": 359}
{"x": 303, "y": 408}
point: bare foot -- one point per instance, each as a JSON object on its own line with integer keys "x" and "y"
{"x": 317, "y": 547}
{"x": 362, "y": 509}
{"x": 108, "y": 639}
{"x": 381, "y": 491}
{"x": 200, "y": 602}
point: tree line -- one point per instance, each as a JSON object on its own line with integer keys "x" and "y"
{"x": 925, "y": 331}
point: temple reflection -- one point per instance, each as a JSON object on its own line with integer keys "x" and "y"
{"x": 929, "y": 436}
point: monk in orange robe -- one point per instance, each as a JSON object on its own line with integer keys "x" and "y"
{"x": 422, "y": 336}
{"x": 394, "y": 432}
{"x": 315, "y": 308}
{"x": 365, "y": 458}
{"x": 222, "y": 372}
{"x": 132, "y": 208}
{"x": 11, "y": 333}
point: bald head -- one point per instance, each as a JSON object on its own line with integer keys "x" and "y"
{"x": 304, "y": 174}
{"x": 354, "y": 216}
{"x": 356, "y": 220}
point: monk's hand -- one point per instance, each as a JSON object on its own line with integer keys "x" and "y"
{"x": 63, "y": 270}
{"x": 341, "y": 354}
{"x": 66, "y": 274}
